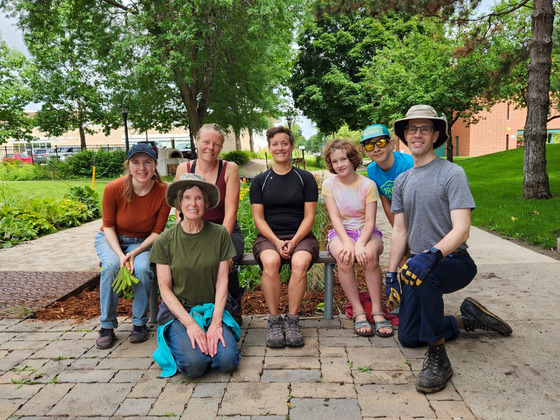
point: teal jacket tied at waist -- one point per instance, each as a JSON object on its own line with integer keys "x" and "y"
{"x": 202, "y": 314}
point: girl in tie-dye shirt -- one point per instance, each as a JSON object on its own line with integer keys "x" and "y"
{"x": 351, "y": 200}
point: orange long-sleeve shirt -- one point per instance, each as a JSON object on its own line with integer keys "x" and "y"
{"x": 139, "y": 217}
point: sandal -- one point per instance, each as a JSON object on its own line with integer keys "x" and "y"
{"x": 363, "y": 324}
{"x": 379, "y": 325}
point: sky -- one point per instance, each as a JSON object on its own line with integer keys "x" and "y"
{"x": 13, "y": 37}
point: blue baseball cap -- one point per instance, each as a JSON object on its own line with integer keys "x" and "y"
{"x": 142, "y": 148}
{"x": 375, "y": 130}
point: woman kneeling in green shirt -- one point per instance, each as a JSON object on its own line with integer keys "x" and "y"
{"x": 195, "y": 330}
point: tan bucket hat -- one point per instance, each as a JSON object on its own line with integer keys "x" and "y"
{"x": 422, "y": 112}
{"x": 192, "y": 179}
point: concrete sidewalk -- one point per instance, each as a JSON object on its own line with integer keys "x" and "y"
{"x": 52, "y": 369}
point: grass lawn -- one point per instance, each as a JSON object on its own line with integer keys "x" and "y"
{"x": 496, "y": 182}
{"x": 44, "y": 189}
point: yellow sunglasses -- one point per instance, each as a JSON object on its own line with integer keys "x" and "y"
{"x": 381, "y": 143}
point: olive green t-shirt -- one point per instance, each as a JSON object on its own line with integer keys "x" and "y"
{"x": 194, "y": 260}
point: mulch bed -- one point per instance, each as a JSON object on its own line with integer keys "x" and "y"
{"x": 85, "y": 305}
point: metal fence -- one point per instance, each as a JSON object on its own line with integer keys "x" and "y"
{"x": 29, "y": 154}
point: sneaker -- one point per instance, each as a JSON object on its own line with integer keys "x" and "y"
{"x": 474, "y": 316}
{"x": 294, "y": 337}
{"x": 139, "y": 334}
{"x": 106, "y": 338}
{"x": 275, "y": 335}
{"x": 436, "y": 370}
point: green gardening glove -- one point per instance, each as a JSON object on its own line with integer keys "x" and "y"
{"x": 123, "y": 281}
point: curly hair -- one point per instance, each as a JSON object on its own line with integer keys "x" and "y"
{"x": 342, "y": 144}
{"x": 279, "y": 129}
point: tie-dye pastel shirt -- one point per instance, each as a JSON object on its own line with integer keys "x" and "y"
{"x": 351, "y": 199}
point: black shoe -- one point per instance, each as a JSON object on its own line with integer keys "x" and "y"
{"x": 106, "y": 338}
{"x": 474, "y": 316}
{"x": 139, "y": 334}
{"x": 436, "y": 370}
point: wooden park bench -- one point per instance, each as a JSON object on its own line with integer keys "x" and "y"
{"x": 248, "y": 259}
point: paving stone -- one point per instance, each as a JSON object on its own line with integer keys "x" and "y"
{"x": 44, "y": 400}
{"x": 310, "y": 349}
{"x": 257, "y": 322}
{"x": 128, "y": 349}
{"x": 246, "y": 351}
{"x": 7, "y": 322}
{"x": 255, "y": 337}
{"x": 449, "y": 393}
{"x": 74, "y": 335}
{"x": 291, "y": 375}
{"x": 24, "y": 345}
{"x": 63, "y": 348}
{"x": 15, "y": 391}
{"x": 25, "y": 370}
{"x": 392, "y": 401}
{"x": 249, "y": 370}
{"x": 172, "y": 399}
{"x": 452, "y": 410}
{"x": 209, "y": 390}
{"x": 377, "y": 358}
{"x": 89, "y": 376}
{"x": 33, "y": 325}
{"x": 213, "y": 376}
{"x": 379, "y": 377}
{"x": 324, "y": 409}
{"x": 13, "y": 358}
{"x": 291, "y": 363}
{"x": 202, "y": 409}
{"x": 265, "y": 399}
{"x": 333, "y": 352}
{"x": 336, "y": 370}
{"x": 38, "y": 336}
{"x": 384, "y": 342}
{"x": 320, "y": 323}
{"x": 147, "y": 388}
{"x": 52, "y": 368}
{"x": 323, "y": 390}
{"x": 411, "y": 353}
{"x": 135, "y": 407}
{"x": 85, "y": 363}
{"x": 84, "y": 400}
{"x": 127, "y": 375}
{"x": 131, "y": 363}
{"x": 9, "y": 407}
{"x": 346, "y": 340}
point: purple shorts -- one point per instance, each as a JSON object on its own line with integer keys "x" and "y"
{"x": 354, "y": 235}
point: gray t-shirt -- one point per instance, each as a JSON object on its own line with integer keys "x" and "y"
{"x": 427, "y": 195}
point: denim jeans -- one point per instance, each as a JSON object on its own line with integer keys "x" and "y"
{"x": 421, "y": 318}
{"x": 192, "y": 362}
{"x": 111, "y": 265}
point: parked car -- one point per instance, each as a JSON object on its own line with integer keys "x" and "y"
{"x": 64, "y": 152}
{"x": 40, "y": 155}
{"x": 185, "y": 149}
{"x": 18, "y": 156}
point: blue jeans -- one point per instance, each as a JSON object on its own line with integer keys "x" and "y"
{"x": 192, "y": 362}
{"x": 111, "y": 265}
{"x": 421, "y": 318}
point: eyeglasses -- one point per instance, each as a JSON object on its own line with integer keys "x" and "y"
{"x": 425, "y": 129}
{"x": 381, "y": 143}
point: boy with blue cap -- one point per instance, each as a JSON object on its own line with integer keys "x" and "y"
{"x": 386, "y": 164}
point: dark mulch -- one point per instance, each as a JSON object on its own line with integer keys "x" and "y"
{"x": 85, "y": 305}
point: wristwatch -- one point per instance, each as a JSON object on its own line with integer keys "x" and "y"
{"x": 434, "y": 250}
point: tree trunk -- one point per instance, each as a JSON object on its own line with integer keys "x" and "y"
{"x": 82, "y": 136}
{"x": 237, "y": 139}
{"x": 449, "y": 148}
{"x": 535, "y": 177}
{"x": 251, "y": 143}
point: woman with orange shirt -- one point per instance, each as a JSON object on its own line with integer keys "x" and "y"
{"x": 134, "y": 214}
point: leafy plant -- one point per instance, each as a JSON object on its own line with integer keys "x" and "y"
{"x": 88, "y": 197}
{"x": 240, "y": 157}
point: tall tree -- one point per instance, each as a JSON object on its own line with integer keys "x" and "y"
{"x": 14, "y": 95}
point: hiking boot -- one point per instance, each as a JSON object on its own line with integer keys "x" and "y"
{"x": 275, "y": 334}
{"x": 294, "y": 337}
{"x": 139, "y": 334}
{"x": 436, "y": 370}
{"x": 106, "y": 338}
{"x": 474, "y": 316}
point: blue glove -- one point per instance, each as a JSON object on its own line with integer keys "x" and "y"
{"x": 393, "y": 288}
{"x": 415, "y": 270}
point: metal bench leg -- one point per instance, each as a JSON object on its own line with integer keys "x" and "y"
{"x": 329, "y": 270}
{"x": 153, "y": 302}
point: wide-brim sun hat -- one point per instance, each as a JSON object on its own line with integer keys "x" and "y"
{"x": 142, "y": 148}
{"x": 423, "y": 112}
{"x": 196, "y": 180}
{"x": 373, "y": 131}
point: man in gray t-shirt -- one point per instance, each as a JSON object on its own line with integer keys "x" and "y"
{"x": 432, "y": 204}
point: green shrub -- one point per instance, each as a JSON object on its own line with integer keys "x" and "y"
{"x": 240, "y": 157}
{"x": 109, "y": 164}
{"x": 319, "y": 162}
{"x": 88, "y": 197}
